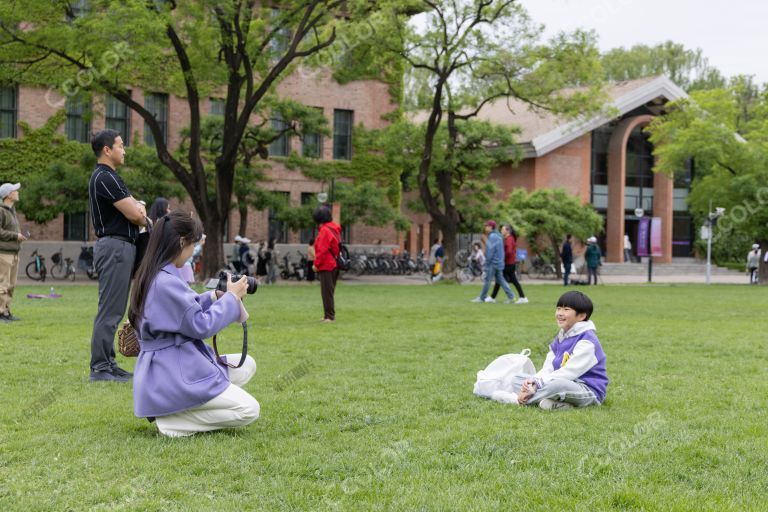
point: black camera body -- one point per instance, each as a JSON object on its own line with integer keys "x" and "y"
{"x": 222, "y": 284}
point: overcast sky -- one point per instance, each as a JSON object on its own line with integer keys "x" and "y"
{"x": 733, "y": 35}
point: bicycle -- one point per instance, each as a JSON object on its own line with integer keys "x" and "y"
{"x": 85, "y": 262}
{"x": 62, "y": 268}
{"x": 470, "y": 272}
{"x": 36, "y": 268}
{"x": 540, "y": 269}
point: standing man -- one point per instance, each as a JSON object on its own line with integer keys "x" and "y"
{"x": 494, "y": 265}
{"x": 566, "y": 255}
{"x": 593, "y": 256}
{"x": 10, "y": 243}
{"x": 116, "y": 217}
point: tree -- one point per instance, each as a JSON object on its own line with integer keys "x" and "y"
{"x": 687, "y": 68}
{"x": 545, "y": 216}
{"x": 466, "y": 55}
{"x": 725, "y": 133}
{"x": 238, "y": 49}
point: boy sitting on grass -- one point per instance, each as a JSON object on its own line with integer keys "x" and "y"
{"x": 574, "y": 373}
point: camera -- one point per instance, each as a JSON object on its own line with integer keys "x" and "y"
{"x": 222, "y": 284}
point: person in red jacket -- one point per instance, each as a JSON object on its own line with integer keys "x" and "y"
{"x": 327, "y": 248}
{"x": 510, "y": 262}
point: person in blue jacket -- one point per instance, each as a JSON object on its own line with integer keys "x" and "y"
{"x": 178, "y": 381}
{"x": 494, "y": 265}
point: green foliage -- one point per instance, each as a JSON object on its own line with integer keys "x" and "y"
{"x": 545, "y": 216}
{"x": 687, "y": 68}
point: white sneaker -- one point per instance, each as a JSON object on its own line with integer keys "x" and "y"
{"x": 490, "y": 300}
{"x": 476, "y": 299}
{"x": 550, "y": 405}
{"x": 522, "y": 300}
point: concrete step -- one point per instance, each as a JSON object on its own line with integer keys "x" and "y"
{"x": 675, "y": 268}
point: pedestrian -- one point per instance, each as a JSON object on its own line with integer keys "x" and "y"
{"x": 753, "y": 262}
{"x": 436, "y": 258}
{"x": 566, "y": 255}
{"x": 180, "y": 383}
{"x": 197, "y": 257}
{"x": 327, "y": 247}
{"x": 261, "y": 261}
{"x": 10, "y": 244}
{"x": 272, "y": 262}
{"x": 509, "y": 235}
{"x": 244, "y": 256}
{"x": 627, "y": 249}
{"x": 494, "y": 265}
{"x": 310, "y": 260}
{"x": 116, "y": 218}
{"x": 477, "y": 259}
{"x": 593, "y": 256}
{"x": 159, "y": 208}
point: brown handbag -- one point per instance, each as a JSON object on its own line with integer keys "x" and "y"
{"x": 127, "y": 342}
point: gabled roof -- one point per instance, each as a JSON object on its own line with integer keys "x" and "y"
{"x": 542, "y": 131}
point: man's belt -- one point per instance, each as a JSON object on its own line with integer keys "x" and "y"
{"x": 122, "y": 238}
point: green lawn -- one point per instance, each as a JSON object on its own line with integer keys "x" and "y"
{"x": 376, "y": 412}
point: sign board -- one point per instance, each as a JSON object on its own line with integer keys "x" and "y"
{"x": 522, "y": 254}
{"x": 643, "y": 228}
{"x": 656, "y": 236}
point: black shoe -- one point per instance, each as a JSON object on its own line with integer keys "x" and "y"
{"x": 119, "y": 372}
{"x": 6, "y": 319}
{"x": 107, "y": 376}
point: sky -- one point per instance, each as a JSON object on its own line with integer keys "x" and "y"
{"x": 733, "y": 35}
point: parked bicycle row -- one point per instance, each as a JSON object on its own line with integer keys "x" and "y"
{"x": 62, "y": 268}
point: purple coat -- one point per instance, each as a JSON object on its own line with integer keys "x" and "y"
{"x": 175, "y": 370}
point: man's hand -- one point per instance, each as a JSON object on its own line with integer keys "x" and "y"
{"x": 21, "y": 237}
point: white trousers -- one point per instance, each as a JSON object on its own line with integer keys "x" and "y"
{"x": 232, "y": 408}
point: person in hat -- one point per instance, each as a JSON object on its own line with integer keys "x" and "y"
{"x": 593, "y": 256}
{"x": 10, "y": 244}
{"x": 494, "y": 265}
{"x": 753, "y": 262}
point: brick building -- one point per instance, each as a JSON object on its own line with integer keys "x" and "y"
{"x": 606, "y": 160}
{"x": 362, "y": 102}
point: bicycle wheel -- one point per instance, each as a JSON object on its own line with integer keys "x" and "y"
{"x": 32, "y": 272}
{"x": 58, "y": 271}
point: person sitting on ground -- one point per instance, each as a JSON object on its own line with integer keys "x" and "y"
{"x": 477, "y": 258}
{"x": 178, "y": 381}
{"x": 574, "y": 372}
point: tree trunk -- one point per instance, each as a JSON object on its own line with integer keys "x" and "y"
{"x": 213, "y": 251}
{"x": 243, "y": 220}
{"x": 449, "y": 231}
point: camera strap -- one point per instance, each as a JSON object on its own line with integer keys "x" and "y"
{"x": 243, "y": 354}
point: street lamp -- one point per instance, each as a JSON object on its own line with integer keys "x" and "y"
{"x": 639, "y": 212}
{"x": 710, "y": 223}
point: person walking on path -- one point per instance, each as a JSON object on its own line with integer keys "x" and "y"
{"x": 494, "y": 265}
{"x": 566, "y": 255}
{"x": 510, "y": 259}
{"x": 116, "y": 218}
{"x": 436, "y": 257}
{"x": 327, "y": 247}
{"x": 753, "y": 262}
{"x": 627, "y": 249}
{"x": 10, "y": 244}
{"x": 593, "y": 256}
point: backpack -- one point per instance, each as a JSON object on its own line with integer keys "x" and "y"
{"x": 499, "y": 374}
{"x": 342, "y": 260}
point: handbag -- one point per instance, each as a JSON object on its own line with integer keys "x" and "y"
{"x": 127, "y": 341}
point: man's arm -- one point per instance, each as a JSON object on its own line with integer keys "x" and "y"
{"x": 131, "y": 210}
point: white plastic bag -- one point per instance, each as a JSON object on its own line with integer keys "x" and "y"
{"x": 499, "y": 374}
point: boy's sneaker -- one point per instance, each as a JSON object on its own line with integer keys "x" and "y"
{"x": 489, "y": 300}
{"x": 550, "y": 405}
{"x": 522, "y": 300}
{"x": 476, "y": 300}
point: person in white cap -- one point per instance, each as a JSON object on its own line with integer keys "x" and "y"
{"x": 753, "y": 262}
{"x": 10, "y": 244}
{"x": 592, "y": 256}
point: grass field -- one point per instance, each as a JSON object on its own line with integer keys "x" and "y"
{"x": 376, "y": 412}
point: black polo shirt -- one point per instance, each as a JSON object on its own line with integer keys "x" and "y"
{"x": 104, "y": 190}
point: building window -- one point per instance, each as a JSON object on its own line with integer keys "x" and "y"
{"x": 312, "y": 143}
{"x": 279, "y": 146}
{"x": 305, "y": 235}
{"x": 78, "y": 126}
{"x": 117, "y": 117}
{"x": 76, "y": 226}
{"x": 342, "y": 134}
{"x": 157, "y": 104}
{"x": 216, "y": 107}
{"x": 277, "y": 229}
{"x": 281, "y": 39}
{"x": 8, "y": 112}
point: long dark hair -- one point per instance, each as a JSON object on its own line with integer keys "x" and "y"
{"x": 164, "y": 247}
{"x": 511, "y": 231}
{"x": 158, "y": 209}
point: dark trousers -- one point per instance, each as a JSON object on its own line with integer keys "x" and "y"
{"x": 327, "y": 280}
{"x": 113, "y": 260}
{"x": 591, "y": 271}
{"x": 511, "y": 276}
{"x": 566, "y": 272}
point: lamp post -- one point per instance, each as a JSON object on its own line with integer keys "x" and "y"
{"x": 639, "y": 212}
{"x": 710, "y": 224}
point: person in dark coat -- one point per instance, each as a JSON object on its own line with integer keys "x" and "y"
{"x": 566, "y": 255}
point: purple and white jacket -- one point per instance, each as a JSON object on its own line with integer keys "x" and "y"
{"x": 578, "y": 356}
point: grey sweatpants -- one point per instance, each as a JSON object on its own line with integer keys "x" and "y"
{"x": 562, "y": 390}
{"x": 113, "y": 260}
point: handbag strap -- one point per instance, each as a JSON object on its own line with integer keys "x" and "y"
{"x": 243, "y": 354}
